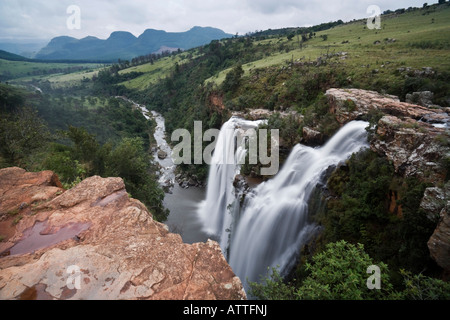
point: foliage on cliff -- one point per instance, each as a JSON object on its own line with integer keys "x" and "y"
{"x": 341, "y": 272}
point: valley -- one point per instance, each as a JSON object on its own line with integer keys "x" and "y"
{"x": 362, "y": 118}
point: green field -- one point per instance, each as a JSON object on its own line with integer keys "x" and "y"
{"x": 152, "y": 72}
{"x": 421, "y": 40}
{"x": 23, "y": 71}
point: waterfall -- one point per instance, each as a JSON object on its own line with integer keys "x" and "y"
{"x": 216, "y": 210}
{"x": 274, "y": 224}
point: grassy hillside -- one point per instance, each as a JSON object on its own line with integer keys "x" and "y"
{"x": 152, "y": 72}
{"x": 26, "y": 70}
{"x": 11, "y": 56}
{"x": 421, "y": 39}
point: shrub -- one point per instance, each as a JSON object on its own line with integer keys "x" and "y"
{"x": 340, "y": 272}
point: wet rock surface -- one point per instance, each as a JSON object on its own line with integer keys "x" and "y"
{"x": 95, "y": 242}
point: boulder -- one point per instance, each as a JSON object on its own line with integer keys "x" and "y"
{"x": 434, "y": 200}
{"x": 412, "y": 146}
{"x": 312, "y": 137}
{"x": 423, "y": 98}
{"x": 95, "y": 242}
{"x": 353, "y": 104}
{"x": 20, "y": 189}
{"x": 162, "y": 154}
{"x": 439, "y": 243}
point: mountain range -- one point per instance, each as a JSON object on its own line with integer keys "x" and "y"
{"x": 124, "y": 45}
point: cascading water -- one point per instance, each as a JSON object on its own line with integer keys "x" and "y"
{"x": 273, "y": 223}
{"x": 215, "y": 210}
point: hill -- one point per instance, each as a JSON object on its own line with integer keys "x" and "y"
{"x": 124, "y": 45}
{"x": 11, "y": 56}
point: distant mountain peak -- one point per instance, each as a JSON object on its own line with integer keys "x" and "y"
{"x": 124, "y": 45}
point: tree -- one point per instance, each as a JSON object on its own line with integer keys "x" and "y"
{"x": 130, "y": 162}
{"x": 85, "y": 144}
{"x": 21, "y": 133}
{"x": 233, "y": 79}
{"x": 340, "y": 272}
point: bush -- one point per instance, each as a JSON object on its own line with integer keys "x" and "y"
{"x": 340, "y": 272}
{"x": 419, "y": 287}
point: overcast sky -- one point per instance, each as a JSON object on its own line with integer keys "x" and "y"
{"x": 45, "y": 19}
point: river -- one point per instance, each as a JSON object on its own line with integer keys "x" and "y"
{"x": 182, "y": 203}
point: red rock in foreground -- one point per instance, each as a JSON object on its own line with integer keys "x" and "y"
{"x": 107, "y": 247}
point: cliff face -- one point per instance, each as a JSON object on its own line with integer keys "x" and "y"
{"x": 416, "y": 140}
{"x": 94, "y": 242}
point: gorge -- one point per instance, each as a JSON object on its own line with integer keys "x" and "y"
{"x": 248, "y": 223}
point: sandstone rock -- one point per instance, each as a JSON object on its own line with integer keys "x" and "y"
{"x": 263, "y": 114}
{"x": 439, "y": 243}
{"x": 18, "y": 187}
{"x": 113, "y": 247}
{"x": 434, "y": 201}
{"x": 411, "y": 146}
{"x": 423, "y": 98}
{"x": 363, "y": 101}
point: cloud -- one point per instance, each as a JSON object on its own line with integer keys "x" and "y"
{"x": 45, "y": 19}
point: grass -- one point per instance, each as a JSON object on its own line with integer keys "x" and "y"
{"x": 422, "y": 39}
{"x": 152, "y": 72}
{"x": 412, "y": 31}
{"x": 15, "y": 70}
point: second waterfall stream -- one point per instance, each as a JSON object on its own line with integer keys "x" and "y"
{"x": 272, "y": 224}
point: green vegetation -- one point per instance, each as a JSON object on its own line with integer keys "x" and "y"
{"x": 62, "y": 144}
{"x": 360, "y": 213}
{"x": 27, "y": 70}
{"x": 340, "y": 272}
{"x": 372, "y": 215}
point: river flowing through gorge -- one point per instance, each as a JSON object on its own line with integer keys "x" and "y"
{"x": 269, "y": 228}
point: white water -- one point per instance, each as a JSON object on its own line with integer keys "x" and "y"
{"x": 273, "y": 224}
{"x": 215, "y": 210}
{"x": 166, "y": 166}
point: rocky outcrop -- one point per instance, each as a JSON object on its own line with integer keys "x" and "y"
{"x": 354, "y": 104}
{"x": 406, "y": 134}
{"x": 415, "y": 138}
{"x": 311, "y": 137}
{"x": 423, "y": 98}
{"x": 95, "y": 242}
{"x": 20, "y": 189}
{"x": 439, "y": 243}
{"x": 413, "y": 147}
{"x": 264, "y": 114}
